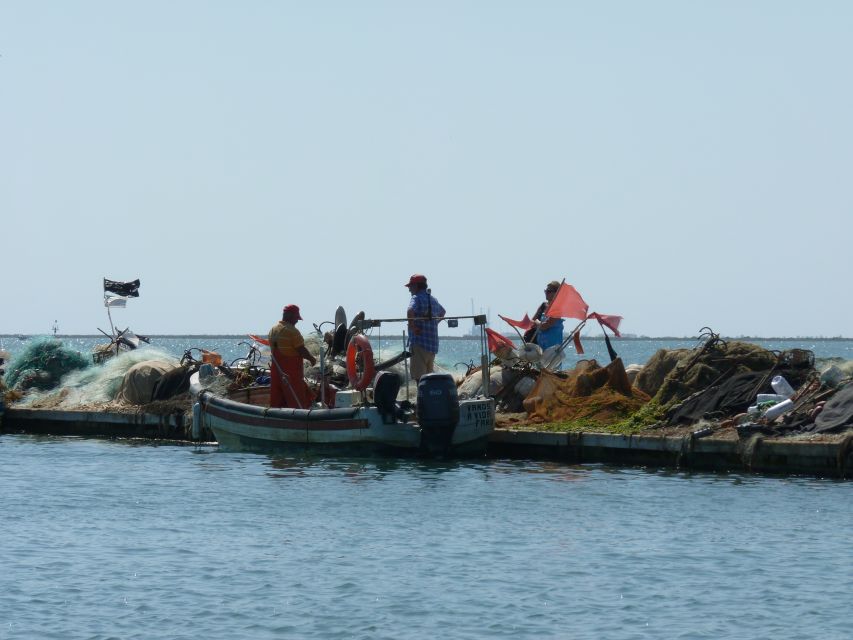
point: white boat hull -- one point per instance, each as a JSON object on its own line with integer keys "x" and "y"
{"x": 244, "y": 426}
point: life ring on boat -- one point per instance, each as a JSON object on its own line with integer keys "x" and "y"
{"x": 360, "y": 345}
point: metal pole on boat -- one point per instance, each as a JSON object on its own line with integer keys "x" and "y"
{"x": 322, "y": 373}
{"x": 484, "y": 354}
{"x": 406, "y": 364}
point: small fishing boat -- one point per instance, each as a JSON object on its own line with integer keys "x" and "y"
{"x": 360, "y": 420}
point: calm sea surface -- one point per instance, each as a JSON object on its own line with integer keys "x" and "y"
{"x": 102, "y": 539}
{"x": 106, "y": 539}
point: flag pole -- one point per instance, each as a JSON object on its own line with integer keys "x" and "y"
{"x": 110, "y": 316}
{"x": 520, "y": 336}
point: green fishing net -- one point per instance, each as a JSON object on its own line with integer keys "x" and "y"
{"x": 42, "y": 364}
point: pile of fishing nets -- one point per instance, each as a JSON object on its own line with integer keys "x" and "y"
{"x": 96, "y": 386}
{"x": 42, "y": 364}
{"x": 718, "y": 379}
{"x": 673, "y": 375}
{"x": 596, "y": 395}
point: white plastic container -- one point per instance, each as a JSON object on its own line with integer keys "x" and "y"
{"x": 779, "y": 409}
{"x": 832, "y": 376}
{"x": 347, "y": 398}
{"x": 782, "y": 387}
{"x": 769, "y": 397}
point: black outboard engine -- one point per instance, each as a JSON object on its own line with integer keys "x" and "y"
{"x": 386, "y": 385}
{"x": 438, "y": 411}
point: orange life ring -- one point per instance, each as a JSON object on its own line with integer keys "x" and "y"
{"x": 360, "y": 344}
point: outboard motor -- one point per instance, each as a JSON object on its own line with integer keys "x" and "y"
{"x": 438, "y": 410}
{"x": 386, "y": 385}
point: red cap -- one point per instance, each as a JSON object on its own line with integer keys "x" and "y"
{"x": 415, "y": 279}
{"x": 292, "y": 308}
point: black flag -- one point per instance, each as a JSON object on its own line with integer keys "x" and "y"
{"x": 126, "y": 289}
{"x": 610, "y": 350}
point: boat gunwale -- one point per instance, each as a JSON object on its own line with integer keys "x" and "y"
{"x": 341, "y": 418}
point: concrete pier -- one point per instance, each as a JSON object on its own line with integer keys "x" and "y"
{"x": 96, "y": 423}
{"x": 758, "y": 454}
{"x": 832, "y": 459}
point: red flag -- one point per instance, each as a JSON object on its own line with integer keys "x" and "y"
{"x": 524, "y": 324}
{"x": 611, "y": 322}
{"x": 260, "y": 340}
{"x": 578, "y": 345}
{"x": 496, "y": 340}
{"x": 567, "y": 303}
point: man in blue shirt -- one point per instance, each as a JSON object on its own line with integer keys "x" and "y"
{"x": 423, "y": 333}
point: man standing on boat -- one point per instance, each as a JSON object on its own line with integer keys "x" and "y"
{"x": 287, "y": 346}
{"x": 423, "y": 334}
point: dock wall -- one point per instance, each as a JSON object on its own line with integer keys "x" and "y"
{"x": 757, "y": 454}
{"x": 96, "y": 424}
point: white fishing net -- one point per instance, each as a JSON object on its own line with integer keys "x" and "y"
{"x": 95, "y": 385}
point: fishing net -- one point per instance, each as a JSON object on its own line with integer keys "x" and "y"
{"x": 720, "y": 378}
{"x": 590, "y": 393}
{"x": 650, "y": 379}
{"x": 314, "y": 343}
{"x": 705, "y": 366}
{"x": 42, "y": 364}
{"x": 96, "y": 385}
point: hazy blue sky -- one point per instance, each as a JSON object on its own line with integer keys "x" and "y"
{"x": 680, "y": 163}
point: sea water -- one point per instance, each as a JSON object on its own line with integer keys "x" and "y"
{"x": 111, "y": 539}
{"x": 456, "y": 354}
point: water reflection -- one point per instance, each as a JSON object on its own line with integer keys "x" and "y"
{"x": 425, "y": 472}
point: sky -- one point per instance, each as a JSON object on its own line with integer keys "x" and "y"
{"x": 681, "y": 164}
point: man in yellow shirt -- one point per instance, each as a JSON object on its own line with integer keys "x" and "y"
{"x": 287, "y": 384}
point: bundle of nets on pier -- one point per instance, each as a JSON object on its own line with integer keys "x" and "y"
{"x": 42, "y": 364}
{"x": 95, "y": 386}
{"x": 719, "y": 378}
{"x": 589, "y": 393}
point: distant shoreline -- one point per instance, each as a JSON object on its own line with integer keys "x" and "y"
{"x": 244, "y": 336}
